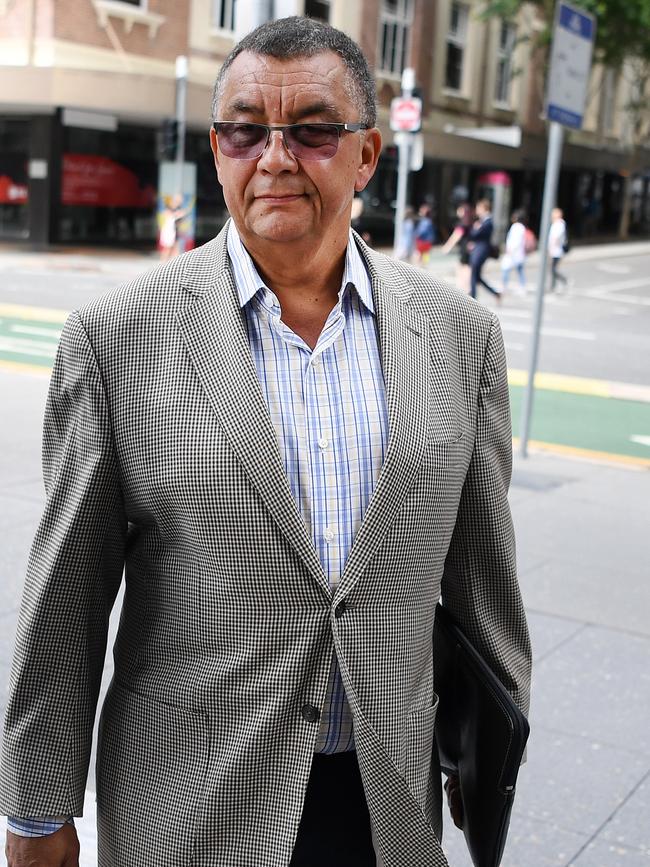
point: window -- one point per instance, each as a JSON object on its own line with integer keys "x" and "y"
{"x": 456, "y": 45}
{"x": 394, "y": 33}
{"x": 505, "y": 49}
{"x": 318, "y": 9}
{"x": 223, "y": 14}
{"x": 142, "y": 4}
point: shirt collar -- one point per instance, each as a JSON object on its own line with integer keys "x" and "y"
{"x": 249, "y": 282}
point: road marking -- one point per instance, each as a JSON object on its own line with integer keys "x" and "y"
{"x": 582, "y": 385}
{"x": 607, "y": 288}
{"x": 37, "y": 332}
{"x": 640, "y": 439}
{"x": 587, "y": 454}
{"x": 565, "y": 333}
{"x": 23, "y": 367}
{"x": 15, "y": 346}
{"x": 613, "y": 269}
{"x": 38, "y": 314}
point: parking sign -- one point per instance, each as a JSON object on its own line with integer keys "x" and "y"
{"x": 573, "y": 42}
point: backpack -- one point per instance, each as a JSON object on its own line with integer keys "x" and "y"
{"x": 530, "y": 242}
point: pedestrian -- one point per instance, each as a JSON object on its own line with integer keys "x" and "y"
{"x": 407, "y": 236}
{"x": 515, "y": 252}
{"x": 169, "y": 221}
{"x": 480, "y": 246}
{"x": 261, "y": 433}
{"x": 459, "y": 239}
{"x": 424, "y": 234}
{"x": 558, "y": 245}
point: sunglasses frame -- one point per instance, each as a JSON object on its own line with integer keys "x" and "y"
{"x": 340, "y": 128}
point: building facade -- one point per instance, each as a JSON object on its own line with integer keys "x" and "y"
{"x": 87, "y": 86}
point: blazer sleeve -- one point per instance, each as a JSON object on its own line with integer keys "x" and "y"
{"x": 74, "y": 572}
{"x": 480, "y": 586}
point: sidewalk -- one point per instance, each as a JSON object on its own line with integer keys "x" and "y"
{"x": 127, "y": 262}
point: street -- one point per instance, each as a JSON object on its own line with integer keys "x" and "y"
{"x": 581, "y": 509}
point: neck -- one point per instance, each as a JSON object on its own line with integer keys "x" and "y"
{"x": 310, "y": 277}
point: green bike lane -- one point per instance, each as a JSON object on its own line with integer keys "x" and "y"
{"x": 570, "y": 414}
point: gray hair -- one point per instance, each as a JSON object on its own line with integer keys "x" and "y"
{"x": 288, "y": 38}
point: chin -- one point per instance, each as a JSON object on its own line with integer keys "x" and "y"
{"x": 278, "y": 228}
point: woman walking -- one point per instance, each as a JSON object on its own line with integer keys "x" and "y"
{"x": 515, "y": 254}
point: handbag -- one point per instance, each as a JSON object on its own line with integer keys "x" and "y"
{"x": 481, "y": 735}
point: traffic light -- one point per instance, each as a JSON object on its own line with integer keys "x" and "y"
{"x": 169, "y": 139}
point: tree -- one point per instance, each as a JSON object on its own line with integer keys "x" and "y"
{"x": 622, "y": 44}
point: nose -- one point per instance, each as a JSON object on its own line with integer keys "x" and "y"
{"x": 276, "y": 156}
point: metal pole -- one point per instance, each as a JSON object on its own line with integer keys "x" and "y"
{"x": 404, "y": 148}
{"x": 553, "y": 162}
{"x": 181, "y": 102}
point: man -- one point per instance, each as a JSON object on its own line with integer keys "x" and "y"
{"x": 287, "y": 439}
{"x": 480, "y": 239}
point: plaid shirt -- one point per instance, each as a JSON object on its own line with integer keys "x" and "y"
{"x": 329, "y": 411}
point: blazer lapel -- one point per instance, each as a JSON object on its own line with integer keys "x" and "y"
{"x": 405, "y": 349}
{"x": 215, "y": 335}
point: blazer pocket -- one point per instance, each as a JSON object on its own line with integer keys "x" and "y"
{"x": 151, "y": 766}
{"x": 420, "y": 725}
{"x": 446, "y": 453}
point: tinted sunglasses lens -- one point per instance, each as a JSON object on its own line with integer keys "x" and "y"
{"x": 241, "y": 141}
{"x": 312, "y": 141}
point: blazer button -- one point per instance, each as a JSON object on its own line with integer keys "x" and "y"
{"x": 310, "y": 713}
{"x": 339, "y": 611}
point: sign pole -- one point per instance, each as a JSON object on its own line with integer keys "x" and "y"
{"x": 404, "y": 148}
{"x": 574, "y": 32}
{"x": 181, "y": 100}
{"x": 553, "y": 163}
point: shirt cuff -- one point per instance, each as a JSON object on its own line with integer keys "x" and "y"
{"x": 40, "y": 827}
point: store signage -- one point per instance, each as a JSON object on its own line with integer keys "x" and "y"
{"x": 406, "y": 114}
{"x": 102, "y": 183}
{"x": 12, "y": 193}
{"x": 573, "y": 43}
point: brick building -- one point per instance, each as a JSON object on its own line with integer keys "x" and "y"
{"x": 86, "y": 86}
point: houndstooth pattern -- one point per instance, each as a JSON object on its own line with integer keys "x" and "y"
{"x": 159, "y": 452}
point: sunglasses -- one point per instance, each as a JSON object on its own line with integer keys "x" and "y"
{"x": 306, "y": 141}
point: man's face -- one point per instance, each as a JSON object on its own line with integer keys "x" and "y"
{"x": 277, "y": 197}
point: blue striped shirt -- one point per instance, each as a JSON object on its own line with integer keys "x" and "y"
{"x": 328, "y": 409}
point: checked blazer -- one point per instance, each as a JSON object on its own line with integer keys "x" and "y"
{"x": 160, "y": 458}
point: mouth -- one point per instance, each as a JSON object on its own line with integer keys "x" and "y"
{"x": 280, "y": 198}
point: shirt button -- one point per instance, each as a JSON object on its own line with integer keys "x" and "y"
{"x": 340, "y": 609}
{"x": 323, "y": 442}
{"x": 328, "y": 535}
{"x": 310, "y": 713}
{"x": 315, "y": 360}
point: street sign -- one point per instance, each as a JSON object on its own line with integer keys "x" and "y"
{"x": 573, "y": 42}
{"x": 405, "y": 114}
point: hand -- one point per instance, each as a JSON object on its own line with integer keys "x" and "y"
{"x": 60, "y": 849}
{"x": 455, "y": 801}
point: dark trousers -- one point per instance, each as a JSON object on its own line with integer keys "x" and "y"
{"x": 555, "y": 274}
{"x": 335, "y": 825}
{"x": 476, "y": 277}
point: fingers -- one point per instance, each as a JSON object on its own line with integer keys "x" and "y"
{"x": 455, "y": 801}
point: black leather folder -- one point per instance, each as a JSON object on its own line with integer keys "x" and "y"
{"x": 481, "y": 735}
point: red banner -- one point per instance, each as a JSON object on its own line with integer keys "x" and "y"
{"x": 102, "y": 183}
{"x": 12, "y": 193}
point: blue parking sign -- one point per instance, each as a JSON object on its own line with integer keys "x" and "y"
{"x": 573, "y": 41}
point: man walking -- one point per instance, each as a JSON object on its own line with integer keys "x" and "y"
{"x": 294, "y": 445}
{"x": 480, "y": 239}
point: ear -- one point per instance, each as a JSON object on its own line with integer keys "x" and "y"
{"x": 370, "y": 151}
{"x": 215, "y": 152}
